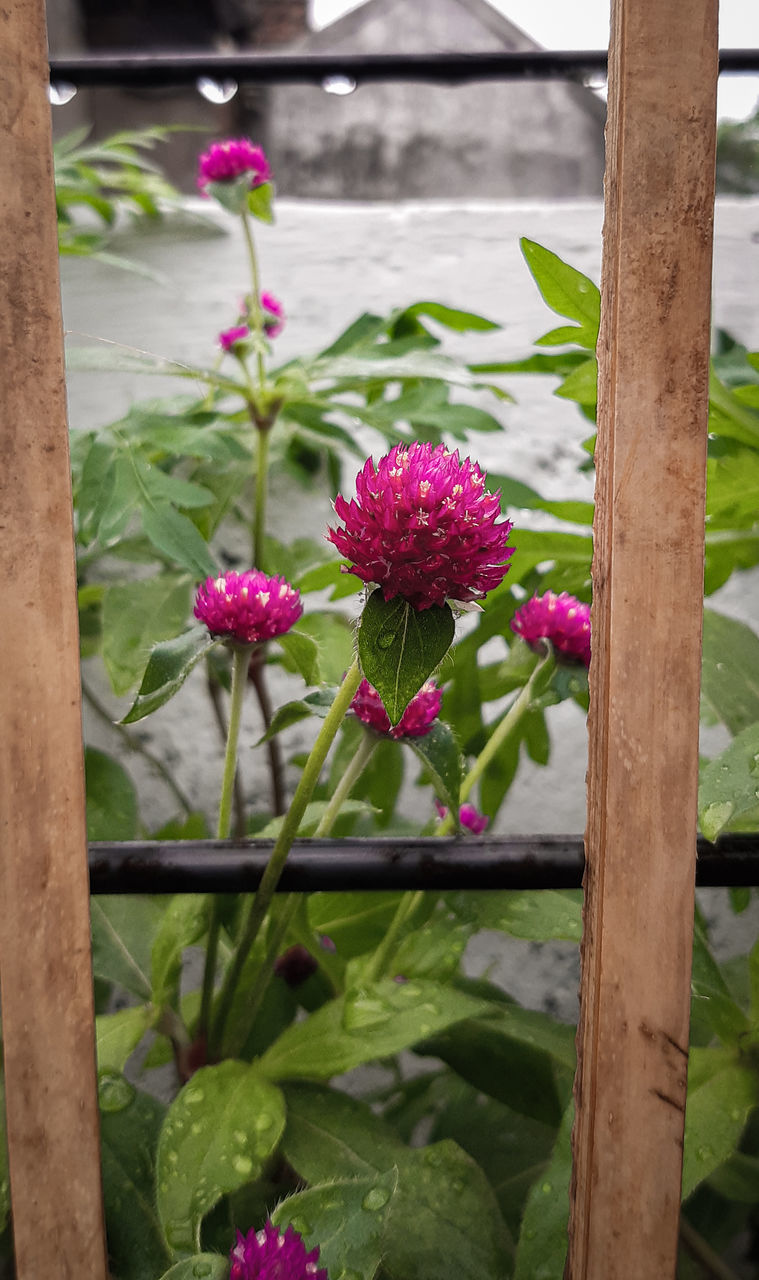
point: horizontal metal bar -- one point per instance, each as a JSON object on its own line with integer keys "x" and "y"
{"x": 143, "y": 71}
{"x": 520, "y": 862}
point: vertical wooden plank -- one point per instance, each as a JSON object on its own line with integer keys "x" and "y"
{"x": 45, "y": 963}
{"x": 647, "y": 583}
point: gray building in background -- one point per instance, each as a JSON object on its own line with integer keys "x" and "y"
{"x": 529, "y": 139}
{"x": 390, "y": 141}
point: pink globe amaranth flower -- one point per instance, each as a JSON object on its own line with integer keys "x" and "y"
{"x": 274, "y": 315}
{"x": 416, "y": 721}
{"x": 247, "y": 607}
{"x": 270, "y": 1254}
{"x": 562, "y": 619}
{"x": 469, "y": 818}
{"x": 225, "y": 161}
{"x": 423, "y": 526}
{"x": 230, "y": 337}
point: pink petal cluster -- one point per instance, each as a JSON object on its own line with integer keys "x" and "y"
{"x": 270, "y": 1254}
{"x": 230, "y": 337}
{"x": 562, "y": 619}
{"x": 469, "y": 818}
{"x": 225, "y": 161}
{"x": 274, "y": 315}
{"x": 247, "y": 607}
{"x": 416, "y": 720}
{"x": 423, "y": 526}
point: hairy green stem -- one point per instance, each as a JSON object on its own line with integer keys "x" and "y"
{"x": 258, "y": 314}
{"x": 305, "y": 789}
{"x": 134, "y": 745}
{"x": 344, "y": 787}
{"x": 510, "y": 721}
{"x": 384, "y": 953}
{"x": 214, "y": 693}
{"x": 240, "y": 663}
{"x": 259, "y": 512}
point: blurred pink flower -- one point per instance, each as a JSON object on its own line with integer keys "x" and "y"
{"x": 423, "y": 526}
{"x": 230, "y": 337}
{"x": 225, "y": 161}
{"x": 469, "y": 818}
{"x": 270, "y": 1254}
{"x": 247, "y": 607}
{"x": 417, "y": 719}
{"x": 274, "y": 315}
{"x": 562, "y": 619}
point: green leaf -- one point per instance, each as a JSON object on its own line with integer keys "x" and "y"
{"x": 118, "y": 1035}
{"x": 355, "y": 922}
{"x": 373, "y": 1021}
{"x": 111, "y": 798}
{"x": 713, "y": 1002}
{"x": 136, "y": 615}
{"x": 425, "y": 1213}
{"x": 728, "y": 417}
{"x": 168, "y": 667}
{"x": 399, "y": 647}
{"x": 123, "y": 929}
{"x": 730, "y": 671}
{"x": 260, "y": 202}
{"x": 722, "y": 1091}
{"x": 233, "y": 194}
{"x": 202, "y": 1266}
{"x": 439, "y": 752}
{"x": 176, "y": 537}
{"x": 218, "y": 1133}
{"x": 164, "y": 487}
{"x": 537, "y": 915}
{"x": 184, "y": 923}
{"x": 435, "y": 950}
{"x": 317, "y": 703}
{"x": 729, "y": 785}
{"x": 129, "y": 1124}
{"x": 119, "y": 498}
{"x": 512, "y": 1056}
{"x": 459, "y": 321}
{"x": 335, "y": 641}
{"x": 542, "y": 1246}
{"x": 303, "y": 653}
{"x": 737, "y": 1179}
{"x": 567, "y": 291}
{"x": 581, "y": 384}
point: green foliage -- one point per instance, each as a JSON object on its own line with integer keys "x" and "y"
{"x": 399, "y": 647}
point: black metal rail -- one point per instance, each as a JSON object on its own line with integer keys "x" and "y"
{"x": 520, "y": 862}
{"x": 147, "y": 70}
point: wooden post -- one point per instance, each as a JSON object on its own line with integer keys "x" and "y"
{"x": 47, "y": 1003}
{"x": 648, "y": 584}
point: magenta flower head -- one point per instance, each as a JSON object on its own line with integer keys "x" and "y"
{"x": 270, "y": 1254}
{"x": 230, "y": 337}
{"x": 423, "y": 526}
{"x": 225, "y": 161}
{"x": 274, "y": 315}
{"x": 469, "y": 817}
{"x": 416, "y": 721}
{"x": 562, "y": 619}
{"x": 246, "y": 608}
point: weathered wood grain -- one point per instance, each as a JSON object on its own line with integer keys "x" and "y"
{"x": 647, "y": 583}
{"x": 45, "y": 966}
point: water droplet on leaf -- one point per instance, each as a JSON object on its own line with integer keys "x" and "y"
{"x": 377, "y": 1198}
{"x": 114, "y": 1092}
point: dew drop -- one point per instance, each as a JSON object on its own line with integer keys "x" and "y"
{"x": 547, "y": 1188}
{"x": 202, "y": 1269}
{"x": 377, "y": 1198}
{"x": 240, "y": 1137}
{"x": 263, "y": 1121}
{"x": 179, "y": 1234}
{"x": 433, "y": 1157}
{"x": 339, "y": 85}
{"x": 192, "y": 1097}
{"x": 216, "y": 91}
{"x": 196, "y": 1128}
{"x": 60, "y": 92}
{"x": 385, "y": 639}
{"x": 242, "y": 1165}
{"x": 300, "y": 1225}
{"x": 705, "y": 1153}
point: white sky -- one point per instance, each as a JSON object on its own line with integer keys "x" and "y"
{"x": 584, "y": 24}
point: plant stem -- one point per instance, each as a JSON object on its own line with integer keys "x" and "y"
{"x": 260, "y": 904}
{"x": 698, "y": 1248}
{"x": 406, "y": 907}
{"x": 257, "y": 677}
{"x": 259, "y": 512}
{"x": 214, "y": 693}
{"x": 133, "y": 745}
{"x": 290, "y": 906}
{"x": 514, "y": 714}
{"x": 258, "y": 315}
{"x": 344, "y": 787}
{"x": 240, "y": 663}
